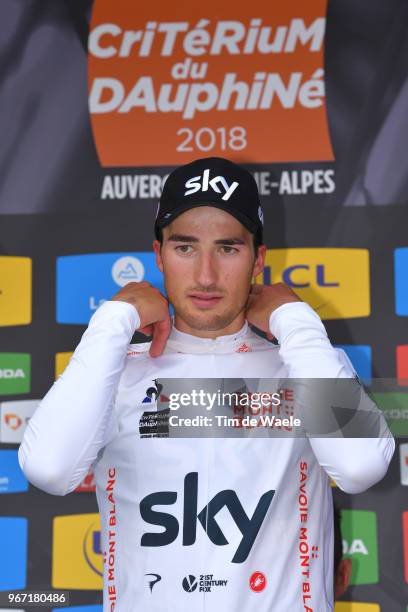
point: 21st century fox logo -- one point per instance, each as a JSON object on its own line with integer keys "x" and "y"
{"x": 205, "y": 583}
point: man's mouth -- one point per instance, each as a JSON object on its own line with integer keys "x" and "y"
{"x": 205, "y": 300}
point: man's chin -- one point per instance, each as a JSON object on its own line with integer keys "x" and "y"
{"x": 204, "y": 320}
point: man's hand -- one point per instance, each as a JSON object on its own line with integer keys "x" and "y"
{"x": 263, "y": 300}
{"x": 153, "y": 310}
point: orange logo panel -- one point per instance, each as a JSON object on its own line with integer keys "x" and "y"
{"x": 172, "y": 82}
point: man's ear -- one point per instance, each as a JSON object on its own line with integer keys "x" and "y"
{"x": 157, "y": 251}
{"x": 259, "y": 260}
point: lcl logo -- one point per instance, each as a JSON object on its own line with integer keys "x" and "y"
{"x": 302, "y": 275}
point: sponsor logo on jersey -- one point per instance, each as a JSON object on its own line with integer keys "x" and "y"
{"x": 13, "y": 536}
{"x": 153, "y": 579}
{"x": 15, "y": 373}
{"x": 226, "y": 500}
{"x": 174, "y": 71}
{"x": 14, "y": 416}
{"x": 359, "y": 529}
{"x": 205, "y": 583}
{"x": 401, "y": 281}
{"x": 77, "y": 557}
{"x": 153, "y": 392}
{"x": 84, "y": 282}
{"x": 257, "y": 582}
{"x": 15, "y": 290}
{"x": 190, "y": 583}
{"x": 243, "y": 348}
{"x": 335, "y": 282}
{"x": 402, "y": 365}
{"x": 12, "y": 479}
{"x": 154, "y": 423}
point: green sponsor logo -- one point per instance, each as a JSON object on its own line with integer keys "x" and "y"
{"x": 15, "y": 373}
{"x": 395, "y": 409}
{"x": 359, "y": 530}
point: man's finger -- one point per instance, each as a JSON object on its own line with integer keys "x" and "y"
{"x": 147, "y": 330}
{"x": 161, "y": 331}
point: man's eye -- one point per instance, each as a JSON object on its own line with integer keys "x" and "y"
{"x": 229, "y": 249}
{"x": 184, "y": 248}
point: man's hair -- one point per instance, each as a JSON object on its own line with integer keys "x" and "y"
{"x": 256, "y": 238}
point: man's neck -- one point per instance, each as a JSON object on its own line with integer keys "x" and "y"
{"x": 232, "y": 328}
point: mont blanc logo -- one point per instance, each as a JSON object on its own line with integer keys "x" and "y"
{"x": 203, "y": 182}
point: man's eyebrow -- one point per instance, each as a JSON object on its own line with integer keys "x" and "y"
{"x": 182, "y": 238}
{"x": 230, "y": 241}
{"x": 224, "y": 241}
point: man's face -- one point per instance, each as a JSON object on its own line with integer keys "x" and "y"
{"x": 208, "y": 261}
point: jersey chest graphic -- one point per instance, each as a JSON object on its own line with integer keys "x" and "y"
{"x": 249, "y": 526}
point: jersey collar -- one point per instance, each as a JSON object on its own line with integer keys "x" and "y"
{"x": 186, "y": 343}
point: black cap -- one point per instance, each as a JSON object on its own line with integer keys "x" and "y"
{"x": 211, "y": 181}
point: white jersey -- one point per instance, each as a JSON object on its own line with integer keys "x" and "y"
{"x": 233, "y": 524}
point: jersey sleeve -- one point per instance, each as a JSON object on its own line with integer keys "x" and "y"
{"x": 355, "y": 464}
{"x": 76, "y": 418}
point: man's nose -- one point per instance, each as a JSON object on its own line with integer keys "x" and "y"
{"x": 206, "y": 270}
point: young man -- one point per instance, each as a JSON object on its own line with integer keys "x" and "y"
{"x": 201, "y": 523}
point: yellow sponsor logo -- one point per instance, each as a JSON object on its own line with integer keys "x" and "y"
{"x": 76, "y": 552}
{"x": 354, "y": 606}
{"x": 335, "y": 282}
{"x": 61, "y": 362}
{"x": 15, "y": 290}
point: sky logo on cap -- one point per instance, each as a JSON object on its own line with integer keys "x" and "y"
{"x": 84, "y": 282}
{"x": 194, "y": 184}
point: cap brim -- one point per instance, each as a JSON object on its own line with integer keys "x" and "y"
{"x": 246, "y": 222}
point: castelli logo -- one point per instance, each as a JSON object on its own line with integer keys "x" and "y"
{"x": 188, "y": 80}
{"x": 257, "y": 582}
